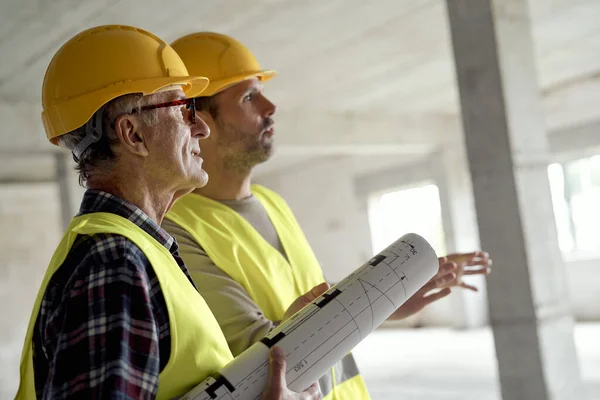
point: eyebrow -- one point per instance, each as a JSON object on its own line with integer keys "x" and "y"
{"x": 176, "y": 93}
{"x": 257, "y": 88}
{"x": 174, "y": 98}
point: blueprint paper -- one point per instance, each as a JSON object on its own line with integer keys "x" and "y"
{"x": 323, "y": 332}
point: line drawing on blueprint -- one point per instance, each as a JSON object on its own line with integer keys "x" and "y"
{"x": 323, "y": 332}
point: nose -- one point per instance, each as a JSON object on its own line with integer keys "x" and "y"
{"x": 269, "y": 108}
{"x": 200, "y": 129}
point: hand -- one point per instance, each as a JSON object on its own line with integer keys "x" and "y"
{"x": 476, "y": 263}
{"x": 277, "y": 387}
{"x": 305, "y": 299}
{"x": 446, "y": 274}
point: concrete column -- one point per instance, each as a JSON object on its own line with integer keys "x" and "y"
{"x": 70, "y": 192}
{"x": 507, "y": 152}
{"x": 64, "y": 189}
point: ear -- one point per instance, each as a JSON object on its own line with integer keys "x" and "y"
{"x": 130, "y": 135}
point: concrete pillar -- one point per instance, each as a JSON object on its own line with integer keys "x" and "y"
{"x": 64, "y": 189}
{"x": 70, "y": 192}
{"x": 507, "y": 152}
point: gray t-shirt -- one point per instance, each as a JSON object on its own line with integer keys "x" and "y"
{"x": 252, "y": 210}
{"x": 241, "y": 320}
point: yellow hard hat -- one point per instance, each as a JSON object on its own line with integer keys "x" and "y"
{"x": 220, "y": 58}
{"x": 103, "y": 63}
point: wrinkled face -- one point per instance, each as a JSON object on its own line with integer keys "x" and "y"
{"x": 243, "y": 128}
{"x": 173, "y": 144}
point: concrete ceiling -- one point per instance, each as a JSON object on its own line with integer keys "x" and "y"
{"x": 354, "y": 76}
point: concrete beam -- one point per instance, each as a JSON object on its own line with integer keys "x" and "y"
{"x": 572, "y": 103}
{"x": 571, "y": 116}
{"x": 344, "y": 130}
{"x": 575, "y": 141}
{"x": 21, "y": 128}
{"x": 23, "y": 167}
{"x": 299, "y": 132}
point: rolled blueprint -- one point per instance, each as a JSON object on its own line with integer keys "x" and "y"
{"x": 323, "y": 332}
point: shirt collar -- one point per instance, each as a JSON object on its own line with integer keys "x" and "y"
{"x": 100, "y": 201}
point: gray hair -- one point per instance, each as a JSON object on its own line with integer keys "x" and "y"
{"x": 98, "y": 153}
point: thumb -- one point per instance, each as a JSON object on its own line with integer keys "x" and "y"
{"x": 276, "y": 384}
{"x": 305, "y": 299}
{"x": 317, "y": 291}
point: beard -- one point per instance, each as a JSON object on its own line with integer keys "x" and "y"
{"x": 241, "y": 150}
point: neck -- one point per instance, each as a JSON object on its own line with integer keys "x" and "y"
{"x": 226, "y": 185}
{"x": 140, "y": 191}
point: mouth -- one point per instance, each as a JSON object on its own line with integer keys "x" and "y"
{"x": 270, "y": 131}
{"x": 196, "y": 153}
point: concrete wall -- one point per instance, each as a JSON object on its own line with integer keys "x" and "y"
{"x": 582, "y": 279}
{"x": 328, "y": 196}
{"x": 325, "y": 205}
{"x": 330, "y": 204}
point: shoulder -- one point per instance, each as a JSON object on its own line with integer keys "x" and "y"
{"x": 101, "y": 275}
{"x": 103, "y": 259}
{"x": 269, "y": 194}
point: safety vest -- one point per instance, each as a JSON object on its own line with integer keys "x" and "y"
{"x": 198, "y": 347}
{"x": 272, "y": 281}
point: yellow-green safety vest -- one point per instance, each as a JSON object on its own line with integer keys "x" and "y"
{"x": 272, "y": 281}
{"x": 198, "y": 347}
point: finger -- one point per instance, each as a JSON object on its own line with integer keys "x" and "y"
{"x": 486, "y": 262}
{"x": 450, "y": 268}
{"x": 438, "y": 282}
{"x": 470, "y": 287}
{"x": 446, "y": 279}
{"x": 482, "y": 256}
{"x": 317, "y": 291}
{"x": 477, "y": 271}
{"x": 436, "y": 296}
{"x": 477, "y": 254}
{"x": 445, "y": 269}
{"x": 432, "y": 284}
{"x": 312, "y": 393}
{"x": 441, "y": 279}
{"x": 473, "y": 258}
{"x": 442, "y": 260}
{"x": 276, "y": 383}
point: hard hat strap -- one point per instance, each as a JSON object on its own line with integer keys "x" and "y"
{"x": 93, "y": 133}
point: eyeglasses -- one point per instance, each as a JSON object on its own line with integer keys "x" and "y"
{"x": 190, "y": 104}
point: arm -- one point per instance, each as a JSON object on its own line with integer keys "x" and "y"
{"x": 240, "y": 318}
{"x": 101, "y": 341}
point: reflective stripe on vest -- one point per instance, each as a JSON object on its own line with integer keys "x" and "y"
{"x": 272, "y": 281}
{"x": 198, "y": 347}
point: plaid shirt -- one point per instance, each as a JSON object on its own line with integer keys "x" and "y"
{"x": 103, "y": 328}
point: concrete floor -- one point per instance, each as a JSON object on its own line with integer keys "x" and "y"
{"x": 443, "y": 364}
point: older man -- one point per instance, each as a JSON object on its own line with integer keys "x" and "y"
{"x": 117, "y": 315}
{"x": 245, "y": 250}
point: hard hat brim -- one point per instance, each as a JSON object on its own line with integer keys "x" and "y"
{"x": 75, "y": 112}
{"x": 217, "y": 86}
